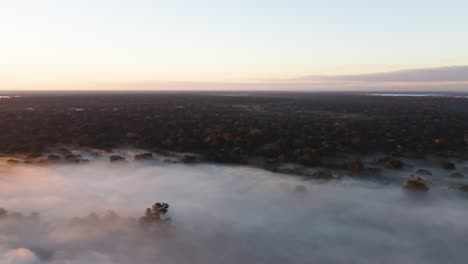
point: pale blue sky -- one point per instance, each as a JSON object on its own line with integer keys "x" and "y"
{"x": 47, "y": 43}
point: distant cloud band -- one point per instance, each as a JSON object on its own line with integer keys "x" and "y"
{"x": 442, "y": 74}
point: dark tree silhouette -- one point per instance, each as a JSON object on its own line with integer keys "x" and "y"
{"x": 155, "y": 213}
{"x": 3, "y": 213}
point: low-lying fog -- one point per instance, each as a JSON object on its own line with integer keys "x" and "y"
{"x": 222, "y": 214}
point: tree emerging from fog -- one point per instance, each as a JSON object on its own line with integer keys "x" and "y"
{"x": 155, "y": 214}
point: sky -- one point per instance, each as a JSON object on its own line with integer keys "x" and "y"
{"x": 140, "y": 44}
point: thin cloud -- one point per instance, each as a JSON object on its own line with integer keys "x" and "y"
{"x": 443, "y": 79}
{"x": 441, "y": 74}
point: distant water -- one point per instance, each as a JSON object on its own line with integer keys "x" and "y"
{"x": 457, "y": 95}
{"x": 9, "y": 96}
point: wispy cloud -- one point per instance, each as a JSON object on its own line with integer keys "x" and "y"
{"x": 453, "y": 78}
{"x": 441, "y": 74}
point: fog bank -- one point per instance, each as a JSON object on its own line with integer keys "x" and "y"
{"x": 222, "y": 214}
